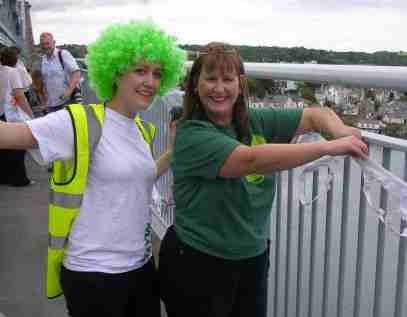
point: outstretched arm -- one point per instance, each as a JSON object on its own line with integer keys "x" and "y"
{"x": 16, "y": 136}
{"x": 268, "y": 158}
{"x": 325, "y": 120}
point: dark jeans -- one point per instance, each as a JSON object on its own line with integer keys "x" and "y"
{"x": 195, "y": 284}
{"x": 3, "y": 161}
{"x": 12, "y": 167}
{"x": 129, "y": 294}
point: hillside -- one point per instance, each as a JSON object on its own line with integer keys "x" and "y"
{"x": 276, "y": 54}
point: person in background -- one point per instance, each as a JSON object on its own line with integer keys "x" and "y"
{"x": 103, "y": 175}
{"x": 214, "y": 260}
{"x": 14, "y": 102}
{"x": 25, "y": 76}
{"x": 60, "y": 73}
{"x": 3, "y": 153}
{"x": 38, "y": 93}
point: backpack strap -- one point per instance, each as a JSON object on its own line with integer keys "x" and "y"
{"x": 61, "y": 60}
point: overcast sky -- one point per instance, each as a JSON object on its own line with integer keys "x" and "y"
{"x": 339, "y": 25}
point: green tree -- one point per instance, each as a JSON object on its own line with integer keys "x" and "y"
{"x": 256, "y": 88}
{"x": 307, "y": 91}
{"x": 377, "y": 105}
{"x": 396, "y": 130}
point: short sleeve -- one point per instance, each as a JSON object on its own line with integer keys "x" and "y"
{"x": 70, "y": 63}
{"x": 24, "y": 75}
{"x": 54, "y": 135}
{"x": 200, "y": 149}
{"x": 279, "y": 125}
{"x": 15, "y": 80}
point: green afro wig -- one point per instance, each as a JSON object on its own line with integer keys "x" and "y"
{"x": 121, "y": 46}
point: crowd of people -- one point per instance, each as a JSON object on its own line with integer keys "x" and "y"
{"x": 224, "y": 156}
{"x": 15, "y": 82}
{"x": 26, "y": 94}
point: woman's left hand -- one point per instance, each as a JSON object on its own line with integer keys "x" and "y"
{"x": 348, "y": 145}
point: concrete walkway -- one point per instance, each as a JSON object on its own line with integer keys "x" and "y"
{"x": 23, "y": 247}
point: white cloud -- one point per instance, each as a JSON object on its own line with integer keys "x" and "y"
{"x": 359, "y": 25}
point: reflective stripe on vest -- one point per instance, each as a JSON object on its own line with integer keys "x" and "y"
{"x": 68, "y": 183}
{"x": 56, "y": 242}
{"x": 65, "y": 200}
{"x": 147, "y": 129}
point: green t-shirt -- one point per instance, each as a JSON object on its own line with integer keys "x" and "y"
{"x": 225, "y": 217}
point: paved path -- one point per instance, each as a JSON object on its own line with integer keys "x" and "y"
{"x": 23, "y": 245}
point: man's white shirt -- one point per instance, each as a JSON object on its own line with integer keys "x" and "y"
{"x": 55, "y": 77}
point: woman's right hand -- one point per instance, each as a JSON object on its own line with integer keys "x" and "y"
{"x": 349, "y": 145}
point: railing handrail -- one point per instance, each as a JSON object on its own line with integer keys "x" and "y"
{"x": 367, "y": 76}
{"x": 385, "y": 141}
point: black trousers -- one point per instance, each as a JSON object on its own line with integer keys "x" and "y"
{"x": 3, "y": 161}
{"x": 12, "y": 166}
{"x": 193, "y": 283}
{"x": 130, "y": 294}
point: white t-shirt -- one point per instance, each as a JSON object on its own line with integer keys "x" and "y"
{"x": 112, "y": 232}
{"x": 26, "y": 79}
{"x": 9, "y": 80}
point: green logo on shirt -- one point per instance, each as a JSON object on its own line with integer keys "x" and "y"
{"x": 148, "y": 245}
{"x": 256, "y": 178}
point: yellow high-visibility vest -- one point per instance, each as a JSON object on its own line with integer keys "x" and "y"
{"x": 68, "y": 183}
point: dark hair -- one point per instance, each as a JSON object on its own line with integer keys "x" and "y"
{"x": 219, "y": 56}
{"x": 176, "y": 113}
{"x": 8, "y": 57}
{"x": 16, "y": 49}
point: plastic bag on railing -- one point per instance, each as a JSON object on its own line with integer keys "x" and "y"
{"x": 156, "y": 199}
{"x": 330, "y": 162}
{"x": 376, "y": 176}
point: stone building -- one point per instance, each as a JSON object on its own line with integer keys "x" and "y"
{"x": 15, "y": 26}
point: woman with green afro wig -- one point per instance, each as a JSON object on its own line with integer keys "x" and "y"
{"x": 100, "y": 251}
{"x": 122, "y": 46}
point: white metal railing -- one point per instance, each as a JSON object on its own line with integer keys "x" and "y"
{"x": 394, "y": 77}
{"x": 334, "y": 258}
{"x": 353, "y": 75}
